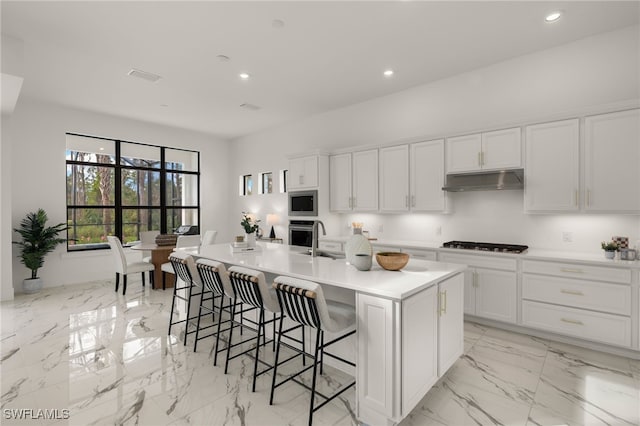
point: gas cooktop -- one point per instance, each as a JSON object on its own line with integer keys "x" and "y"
{"x": 471, "y": 245}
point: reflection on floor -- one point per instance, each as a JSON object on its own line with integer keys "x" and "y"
{"x": 108, "y": 360}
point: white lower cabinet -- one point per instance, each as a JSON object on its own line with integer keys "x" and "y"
{"x": 490, "y": 289}
{"x": 583, "y": 301}
{"x": 450, "y": 322}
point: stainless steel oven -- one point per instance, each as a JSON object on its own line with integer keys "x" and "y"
{"x": 301, "y": 233}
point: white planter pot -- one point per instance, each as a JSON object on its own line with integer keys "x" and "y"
{"x": 32, "y": 285}
{"x": 609, "y": 254}
{"x": 250, "y": 239}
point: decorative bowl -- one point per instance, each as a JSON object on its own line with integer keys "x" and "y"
{"x": 391, "y": 260}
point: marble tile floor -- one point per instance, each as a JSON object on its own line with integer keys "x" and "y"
{"x": 100, "y": 358}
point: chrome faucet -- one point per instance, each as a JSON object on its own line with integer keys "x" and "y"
{"x": 314, "y": 237}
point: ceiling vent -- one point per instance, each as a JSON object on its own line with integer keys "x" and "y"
{"x": 144, "y": 75}
{"x": 250, "y": 107}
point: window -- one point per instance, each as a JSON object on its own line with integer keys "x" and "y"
{"x": 283, "y": 181}
{"x": 266, "y": 183}
{"x": 123, "y": 188}
{"x": 246, "y": 185}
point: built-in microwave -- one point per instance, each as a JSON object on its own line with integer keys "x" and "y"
{"x": 303, "y": 203}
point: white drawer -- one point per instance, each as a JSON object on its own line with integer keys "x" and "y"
{"x": 574, "y": 270}
{"x": 421, "y": 254}
{"x": 330, "y": 246}
{"x": 612, "y": 298}
{"x": 486, "y": 261}
{"x": 588, "y": 325}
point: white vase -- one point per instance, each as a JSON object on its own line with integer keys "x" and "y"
{"x": 32, "y": 285}
{"x": 250, "y": 239}
{"x": 609, "y": 254}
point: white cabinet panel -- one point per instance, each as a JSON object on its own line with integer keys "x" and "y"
{"x": 551, "y": 166}
{"x": 496, "y": 295}
{"x": 419, "y": 356}
{"x": 463, "y": 153}
{"x": 574, "y": 270}
{"x": 394, "y": 178}
{"x": 600, "y": 327}
{"x": 303, "y": 173}
{"x": 612, "y": 159}
{"x": 501, "y": 149}
{"x": 365, "y": 180}
{"x": 427, "y": 176}
{"x": 450, "y": 322}
{"x": 340, "y": 197}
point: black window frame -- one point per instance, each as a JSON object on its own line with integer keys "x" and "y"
{"x": 118, "y": 207}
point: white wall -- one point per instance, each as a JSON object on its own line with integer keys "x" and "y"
{"x": 36, "y": 134}
{"x": 583, "y": 76}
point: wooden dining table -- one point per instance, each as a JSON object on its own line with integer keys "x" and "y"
{"x": 159, "y": 255}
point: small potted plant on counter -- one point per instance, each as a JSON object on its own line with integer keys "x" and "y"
{"x": 37, "y": 241}
{"x": 609, "y": 249}
{"x": 250, "y": 226}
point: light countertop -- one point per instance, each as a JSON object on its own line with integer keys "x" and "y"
{"x": 291, "y": 261}
{"x": 596, "y": 258}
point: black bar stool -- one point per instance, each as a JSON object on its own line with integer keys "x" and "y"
{"x": 304, "y": 302}
{"x": 185, "y": 270}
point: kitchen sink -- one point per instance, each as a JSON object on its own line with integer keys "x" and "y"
{"x": 330, "y": 255}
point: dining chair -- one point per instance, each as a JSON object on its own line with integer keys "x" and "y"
{"x": 209, "y": 238}
{"x": 148, "y": 237}
{"x": 123, "y": 267}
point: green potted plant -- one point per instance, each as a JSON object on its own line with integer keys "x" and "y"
{"x": 250, "y": 226}
{"x": 609, "y": 249}
{"x": 37, "y": 241}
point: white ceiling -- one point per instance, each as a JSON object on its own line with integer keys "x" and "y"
{"x": 328, "y": 54}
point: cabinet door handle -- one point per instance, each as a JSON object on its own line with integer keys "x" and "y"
{"x": 406, "y": 201}
{"x": 443, "y": 302}
{"x": 355, "y": 202}
{"x": 479, "y": 159}
{"x": 588, "y": 197}
{"x": 413, "y": 201}
{"x": 573, "y": 292}
{"x": 571, "y": 321}
{"x": 575, "y": 197}
{"x": 301, "y": 179}
{"x": 482, "y": 158}
{"x": 571, "y": 270}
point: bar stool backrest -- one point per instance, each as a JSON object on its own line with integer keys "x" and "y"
{"x": 214, "y": 278}
{"x": 251, "y": 288}
{"x": 299, "y": 304}
{"x": 184, "y": 266}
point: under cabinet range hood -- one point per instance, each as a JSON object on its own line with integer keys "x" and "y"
{"x": 485, "y": 181}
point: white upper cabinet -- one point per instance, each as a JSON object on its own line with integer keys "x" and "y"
{"x": 303, "y": 173}
{"x": 501, "y": 149}
{"x": 353, "y": 181}
{"x": 365, "y": 180}
{"x": 394, "y": 178}
{"x": 612, "y": 162}
{"x": 427, "y": 176}
{"x": 340, "y": 197}
{"x": 552, "y": 166}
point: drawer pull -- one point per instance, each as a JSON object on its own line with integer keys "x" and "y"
{"x": 573, "y": 292}
{"x": 443, "y": 302}
{"x": 574, "y": 271}
{"x": 570, "y": 321}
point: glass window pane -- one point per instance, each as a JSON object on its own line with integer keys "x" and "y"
{"x": 94, "y": 150}
{"x": 179, "y": 217}
{"x": 266, "y": 183}
{"x": 89, "y": 228}
{"x": 137, "y": 155}
{"x": 176, "y": 159}
{"x": 247, "y": 184}
{"x": 182, "y": 190}
{"x": 135, "y": 221}
{"x": 140, "y": 188}
{"x": 90, "y": 185}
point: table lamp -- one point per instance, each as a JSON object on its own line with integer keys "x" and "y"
{"x": 272, "y": 219}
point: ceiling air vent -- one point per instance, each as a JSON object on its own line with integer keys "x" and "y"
{"x": 250, "y": 107}
{"x": 144, "y": 75}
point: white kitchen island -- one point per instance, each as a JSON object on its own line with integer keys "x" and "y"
{"x": 409, "y": 322}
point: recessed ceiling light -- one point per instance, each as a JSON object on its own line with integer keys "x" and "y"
{"x": 553, "y": 16}
{"x": 101, "y": 148}
{"x": 223, "y": 58}
{"x": 388, "y": 73}
{"x": 244, "y": 76}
